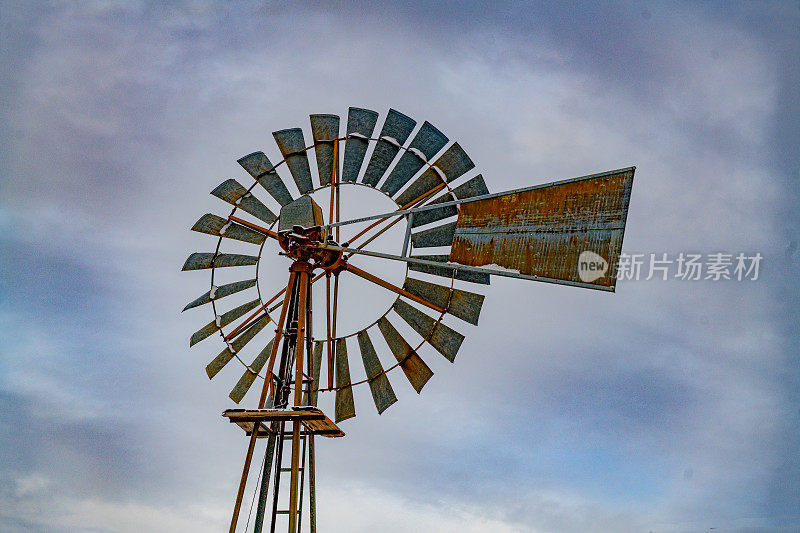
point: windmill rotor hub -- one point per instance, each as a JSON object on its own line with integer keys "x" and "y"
{"x": 304, "y": 246}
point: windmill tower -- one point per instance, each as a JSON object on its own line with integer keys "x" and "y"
{"x": 566, "y": 232}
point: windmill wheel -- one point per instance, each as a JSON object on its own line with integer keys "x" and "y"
{"x": 427, "y": 171}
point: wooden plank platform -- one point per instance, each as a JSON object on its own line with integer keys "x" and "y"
{"x": 314, "y": 420}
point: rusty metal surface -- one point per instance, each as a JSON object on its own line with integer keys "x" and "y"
{"x": 428, "y": 141}
{"x": 379, "y": 386}
{"x": 250, "y": 373}
{"x": 438, "y": 236}
{"x": 221, "y": 292}
{"x": 461, "y": 304}
{"x": 446, "y": 340}
{"x": 543, "y": 231}
{"x": 453, "y": 163}
{"x": 471, "y": 188}
{"x": 224, "y": 320}
{"x": 361, "y": 122}
{"x": 203, "y": 260}
{"x": 447, "y": 272}
{"x": 258, "y": 165}
{"x": 427, "y": 217}
{"x": 293, "y": 148}
{"x": 344, "y": 405}
{"x": 397, "y": 126}
{"x": 415, "y": 369}
{"x": 213, "y": 225}
{"x": 325, "y": 129}
{"x": 234, "y": 193}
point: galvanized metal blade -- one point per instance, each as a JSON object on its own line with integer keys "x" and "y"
{"x": 219, "y": 362}
{"x": 293, "y": 148}
{"x": 325, "y": 129}
{"x": 413, "y": 366}
{"x": 221, "y": 292}
{"x": 245, "y": 336}
{"x": 216, "y": 225}
{"x": 360, "y": 125}
{"x": 234, "y": 193}
{"x": 224, "y": 320}
{"x": 438, "y": 236}
{"x": 249, "y": 376}
{"x": 550, "y": 231}
{"x": 316, "y": 362}
{"x": 394, "y": 133}
{"x": 462, "y": 304}
{"x": 432, "y": 215}
{"x": 471, "y": 188}
{"x": 446, "y": 340}
{"x": 426, "y": 144}
{"x": 344, "y": 405}
{"x": 379, "y": 386}
{"x": 202, "y": 260}
{"x": 258, "y": 165}
{"x": 447, "y": 271}
{"x": 452, "y": 164}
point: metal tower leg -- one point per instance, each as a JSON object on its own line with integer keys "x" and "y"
{"x": 262, "y": 496}
{"x": 295, "y": 354}
{"x": 312, "y": 491}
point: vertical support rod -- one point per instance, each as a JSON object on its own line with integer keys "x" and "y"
{"x": 333, "y": 331}
{"x": 278, "y": 466}
{"x": 334, "y": 203}
{"x": 410, "y": 220}
{"x": 313, "y": 385}
{"x": 312, "y": 491}
{"x": 298, "y": 396}
{"x": 302, "y": 480}
{"x": 262, "y": 496}
{"x": 336, "y": 181}
{"x": 328, "y": 338}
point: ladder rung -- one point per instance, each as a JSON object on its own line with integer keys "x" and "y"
{"x": 300, "y": 469}
{"x": 282, "y": 512}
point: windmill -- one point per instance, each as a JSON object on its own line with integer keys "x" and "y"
{"x": 566, "y": 232}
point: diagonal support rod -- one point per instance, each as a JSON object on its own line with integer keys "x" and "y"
{"x": 394, "y": 288}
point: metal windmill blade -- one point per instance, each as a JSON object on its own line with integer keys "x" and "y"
{"x": 360, "y": 125}
{"x": 456, "y": 233}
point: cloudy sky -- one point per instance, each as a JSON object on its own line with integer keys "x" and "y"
{"x": 668, "y": 406}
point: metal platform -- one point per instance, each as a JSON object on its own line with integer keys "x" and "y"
{"x": 313, "y": 419}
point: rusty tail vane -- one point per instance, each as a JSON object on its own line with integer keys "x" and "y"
{"x": 547, "y": 231}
